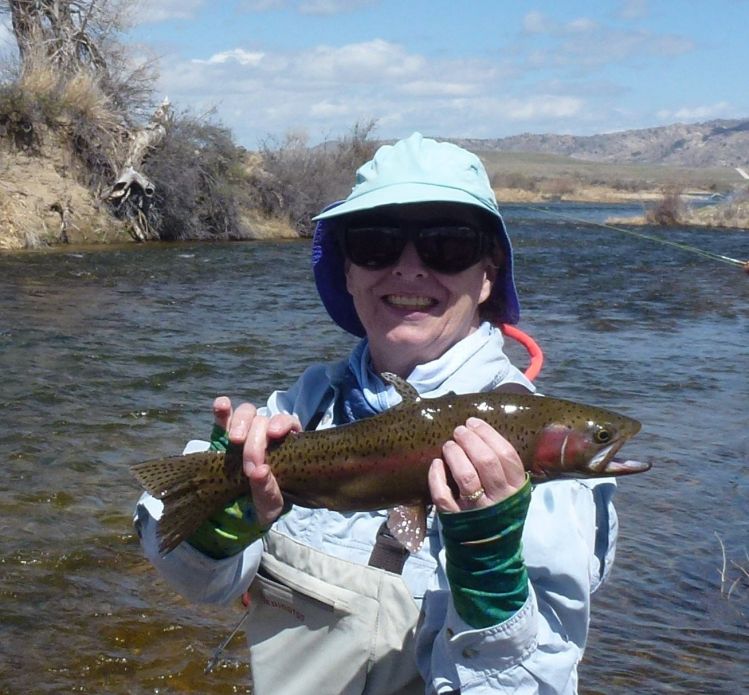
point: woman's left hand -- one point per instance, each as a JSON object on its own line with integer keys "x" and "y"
{"x": 484, "y": 466}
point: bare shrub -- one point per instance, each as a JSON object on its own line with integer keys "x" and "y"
{"x": 76, "y": 76}
{"x": 200, "y": 182}
{"x": 558, "y": 186}
{"x": 669, "y": 211}
{"x": 72, "y": 36}
{"x": 295, "y": 181}
{"x": 515, "y": 180}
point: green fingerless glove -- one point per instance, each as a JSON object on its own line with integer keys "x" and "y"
{"x": 219, "y": 439}
{"x": 232, "y": 529}
{"x": 485, "y": 568}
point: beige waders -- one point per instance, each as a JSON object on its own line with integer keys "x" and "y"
{"x": 324, "y": 626}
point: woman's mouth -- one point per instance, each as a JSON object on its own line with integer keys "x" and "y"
{"x": 410, "y": 302}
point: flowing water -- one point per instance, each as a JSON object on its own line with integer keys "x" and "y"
{"x": 108, "y": 357}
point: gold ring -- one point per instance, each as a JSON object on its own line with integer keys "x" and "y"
{"x": 474, "y": 495}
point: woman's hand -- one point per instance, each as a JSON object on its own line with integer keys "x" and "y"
{"x": 254, "y": 433}
{"x": 484, "y": 466}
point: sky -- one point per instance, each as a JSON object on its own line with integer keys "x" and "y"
{"x": 474, "y": 68}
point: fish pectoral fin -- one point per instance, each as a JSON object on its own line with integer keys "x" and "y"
{"x": 407, "y": 392}
{"x": 408, "y": 525}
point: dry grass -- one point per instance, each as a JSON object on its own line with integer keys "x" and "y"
{"x": 531, "y": 171}
{"x": 82, "y": 95}
{"x": 39, "y": 82}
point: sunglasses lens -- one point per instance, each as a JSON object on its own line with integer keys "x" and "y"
{"x": 450, "y": 249}
{"x": 372, "y": 246}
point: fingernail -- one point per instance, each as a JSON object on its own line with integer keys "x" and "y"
{"x": 473, "y": 422}
{"x": 460, "y": 429}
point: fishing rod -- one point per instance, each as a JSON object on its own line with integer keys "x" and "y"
{"x": 684, "y": 247}
{"x": 216, "y": 658}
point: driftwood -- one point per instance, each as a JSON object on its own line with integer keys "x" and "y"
{"x": 132, "y": 192}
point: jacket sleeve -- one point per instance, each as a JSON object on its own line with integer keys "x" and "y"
{"x": 193, "y": 574}
{"x": 196, "y": 576}
{"x": 568, "y": 547}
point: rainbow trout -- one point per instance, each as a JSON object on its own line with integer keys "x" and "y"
{"x": 382, "y": 462}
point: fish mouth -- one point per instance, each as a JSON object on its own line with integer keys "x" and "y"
{"x": 625, "y": 467}
{"x": 602, "y": 459}
{"x": 604, "y": 462}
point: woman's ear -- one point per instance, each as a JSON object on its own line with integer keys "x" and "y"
{"x": 490, "y": 277}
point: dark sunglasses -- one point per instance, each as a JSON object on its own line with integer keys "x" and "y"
{"x": 448, "y": 248}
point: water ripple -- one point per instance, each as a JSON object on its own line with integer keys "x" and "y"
{"x": 113, "y": 356}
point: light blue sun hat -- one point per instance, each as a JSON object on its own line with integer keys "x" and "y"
{"x": 413, "y": 170}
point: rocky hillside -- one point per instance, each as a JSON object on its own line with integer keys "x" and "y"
{"x": 717, "y": 143}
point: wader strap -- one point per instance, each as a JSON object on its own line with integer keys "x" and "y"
{"x": 388, "y": 554}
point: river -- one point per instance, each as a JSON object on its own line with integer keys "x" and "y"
{"x": 111, "y": 356}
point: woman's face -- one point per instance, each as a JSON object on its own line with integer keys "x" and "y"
{"x": 411, "y": 313}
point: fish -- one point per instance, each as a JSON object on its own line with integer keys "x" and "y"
{"x": 382, "y": 462}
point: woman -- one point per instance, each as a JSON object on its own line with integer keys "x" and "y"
{"x": 414, "y": 261}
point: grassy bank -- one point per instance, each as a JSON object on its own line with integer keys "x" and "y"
{"x": 667, "y": 194}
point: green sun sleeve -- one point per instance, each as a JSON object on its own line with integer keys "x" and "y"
{"x": 232, "y": 529}
{"x": 485, "y": 567}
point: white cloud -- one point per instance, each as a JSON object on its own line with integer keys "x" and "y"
{"x": 542, "y": 107}
{"x": 633, "y": 9}
{"x": 153, "y": 11}
{"x": 371, "y": 60}
{"x": 326, "y": 89}
{"x": 327, "y": 109}
{"x": 331, "y": 7}
{"x": 581, "y": 25}
{"x": 583, "y": 42}
{"x": 262, "y": 5}
{"x": 235, "y": 55}
{"x": 309, "y": 7}
{"x": 432, "y": 88}
{"x": 721, "y": 109}
{"x": 536, "y": 22}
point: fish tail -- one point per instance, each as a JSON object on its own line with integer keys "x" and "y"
{"x": 179, "y": 483}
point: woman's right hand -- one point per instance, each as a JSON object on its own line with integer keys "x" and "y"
{"x": 254, "y": 433}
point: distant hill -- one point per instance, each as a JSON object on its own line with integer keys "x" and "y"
{"x": 718, "y": 143}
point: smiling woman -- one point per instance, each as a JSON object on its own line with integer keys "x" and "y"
{"x": 413, "y": 262}
{"x": 417, "y": 281}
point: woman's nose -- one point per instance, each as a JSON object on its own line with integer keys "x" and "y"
{"x": 410, "y": 264}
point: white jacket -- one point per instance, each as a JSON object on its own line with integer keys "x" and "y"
{"x": 568, "y": 547}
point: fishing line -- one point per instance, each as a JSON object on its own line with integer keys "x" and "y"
{"x": 216, "y": 658}
{"x": 684, "y": 247}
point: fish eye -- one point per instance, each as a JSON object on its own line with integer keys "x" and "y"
{"x": 602, "y": 436}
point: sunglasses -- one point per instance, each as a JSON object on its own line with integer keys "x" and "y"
{"x": 447, "y": 248}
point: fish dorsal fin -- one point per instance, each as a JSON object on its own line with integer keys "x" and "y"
{"x": 407, "y": 392}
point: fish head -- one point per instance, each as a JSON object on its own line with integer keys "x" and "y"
{"x": 584, "y": 447}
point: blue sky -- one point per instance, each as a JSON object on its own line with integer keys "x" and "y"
{"x": 476, "y": 68}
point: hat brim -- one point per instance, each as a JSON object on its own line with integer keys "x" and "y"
{"x": 328, "y": 264}
{"x": 402, "y": 193}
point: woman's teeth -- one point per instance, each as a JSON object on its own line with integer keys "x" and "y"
{"x": 409, "y": 302}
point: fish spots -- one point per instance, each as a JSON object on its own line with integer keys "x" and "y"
{"x": 382, "y": 461}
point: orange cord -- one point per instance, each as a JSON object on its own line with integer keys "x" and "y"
{"x": 534, "y": 350}
{"x": 537, "y": 359}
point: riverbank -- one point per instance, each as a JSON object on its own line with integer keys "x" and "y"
{"x": 43, "y": 204}
{"x": 690, "y": 207}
